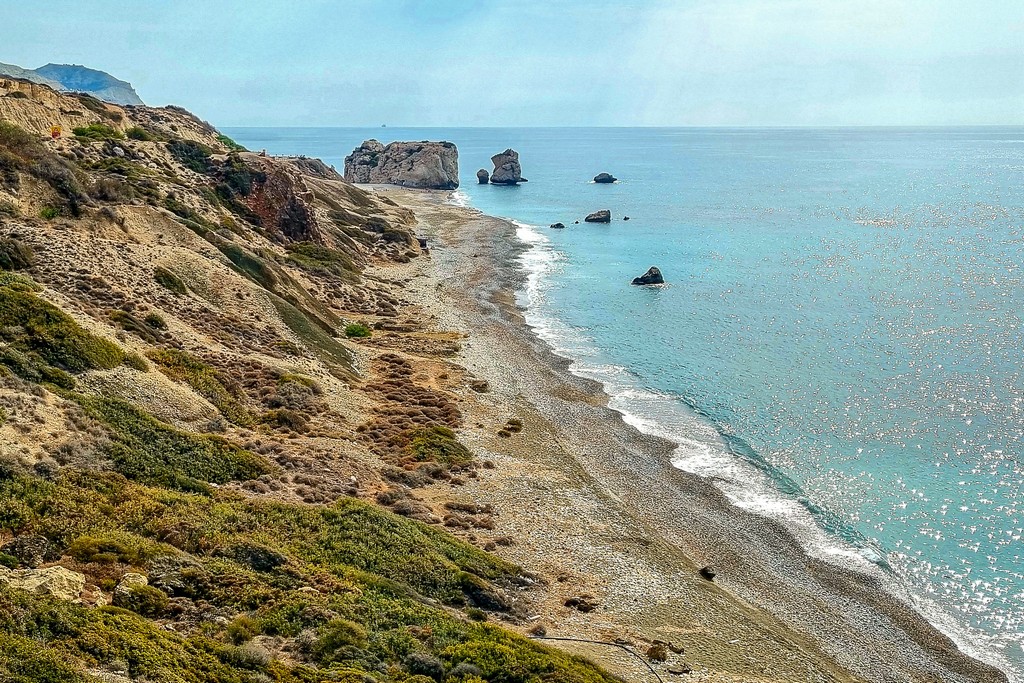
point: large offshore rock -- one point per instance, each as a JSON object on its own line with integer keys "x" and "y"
{"x": 507, "y": 170}
{"x": 424, "y": 165}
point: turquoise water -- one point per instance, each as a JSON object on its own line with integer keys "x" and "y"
{"x": 840, "y": 343}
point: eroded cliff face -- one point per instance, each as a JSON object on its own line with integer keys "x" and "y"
{"x": 216, "y": 403}
{"x": 423, "y": 165}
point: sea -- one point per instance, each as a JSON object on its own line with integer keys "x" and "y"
{"x": 839, "y": 344}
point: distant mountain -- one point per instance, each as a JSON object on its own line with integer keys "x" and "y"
{"x": 97, "y": 83}
{"x": 27, "y": 74}
{"x": 75, "y": 78}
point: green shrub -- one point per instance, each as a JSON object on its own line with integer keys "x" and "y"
{"x": 97, "y": 132}
{"x": 15, "y": 254}
{"x": 283, "y": 417}
{"x": 229, "y": 143}
{"x": 145, "y": 449}
{"x": 191, "y": 155}
{"x": 97, "y": 107}
{"x": 205, "y": 380}
{"x": 143, "y": 135}
{"x": 155, "y": 320}
{"x": 438, "y": 444}
{"x": 49, "y": 212}
{"x": 145, "y": 600}
{"x": 131, "y": 323}
{"x": 42, "y": 342}
{"x": 322, "y": 260}
{"x": 169, "y": 280}
{"x": 357, "y": 330}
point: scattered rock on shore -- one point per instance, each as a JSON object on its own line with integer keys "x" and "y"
{"x": 653, "y": 277}
{"x": 602, "y": 216}
{"x": 605, "y": 178}
{"x": 422, "y": 165}
{"x": 482, "y": 176}
{"x": 557, "y": 226}
{"x": 657, "y": 652}
{"x": 707, "y": 572}
{"x": 583, "y": 603}
{"x": 507, "y": 170}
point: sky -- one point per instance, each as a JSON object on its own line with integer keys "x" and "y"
{"x": 545, "y": 62}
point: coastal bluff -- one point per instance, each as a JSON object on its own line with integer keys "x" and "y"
{"x": 422, "y": 165}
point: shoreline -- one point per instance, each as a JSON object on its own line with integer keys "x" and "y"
{"x": 642, "y": 526}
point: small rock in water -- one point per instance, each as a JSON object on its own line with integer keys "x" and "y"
{"x": 605, "y": 178}
{"x": 708, "y": 573}
{"x": 557, "y": 226}
{"x": 625, "y": 218}
{"x": 482, "y": 176}
{"x": 653, "y": 277}
{"x": 602, "y": 216}
{"x": 575, "y": 222}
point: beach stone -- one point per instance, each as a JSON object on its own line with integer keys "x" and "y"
{"x": 651, "y": 277}
{"x": 60, "y": 582}
{"x": 557, "y": 226}
{"x": 602, "y": 216}
{"x": 605, "y": 178}
{"x": 583, "y": 603}
{"x": 422, "y": 165}
{"x": 680, "y": 670}
{"x": 507, "y": 170}
{"x": 30, "y": 551}
{"x": 482, "y": 176}
{"x": 657, "y": 652}
{"x": 708, "y": 572}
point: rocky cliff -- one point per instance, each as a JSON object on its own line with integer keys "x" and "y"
{"x": 218, "y": 403}
{"x": 79, "y": 79}
{"x": 424, "y": 165}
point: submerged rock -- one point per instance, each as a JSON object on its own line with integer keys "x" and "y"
{"x": 602, "y": 216}
{"x": 507, "y": 170}
{"x": 482, "y": 176}
{"x": 605, "y": 178}
{"x": 653, "y": 277}
{"x": 422, "y": 165}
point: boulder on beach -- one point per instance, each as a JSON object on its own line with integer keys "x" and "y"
{"x": 557, "y": 226}
{"x": 707, "y": 572}
{"x": 653, "y": 277}
{"x": 602, "y": 216}
{"x": 423, "y": 165}
{"x": 482, "y": 176}
{"x": 605, "y": 178}
{"x": 507, "y": 170}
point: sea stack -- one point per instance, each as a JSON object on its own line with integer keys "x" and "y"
{"x": 482, "y": 176}
{"x": 507, "y": 170}
{"x": 423, "y": 165}
{"x": 651, "y": 277}
{"x": 602, "y": 216}
{"x": 604, "y": 178}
